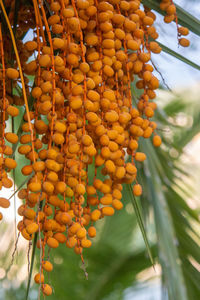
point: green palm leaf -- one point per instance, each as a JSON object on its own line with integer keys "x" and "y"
{"x": 179, "y": 56}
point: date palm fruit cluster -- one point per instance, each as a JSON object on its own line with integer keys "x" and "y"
{"x": 76, "y": 73}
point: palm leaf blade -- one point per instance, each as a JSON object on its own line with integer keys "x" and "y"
{"x": 178, "y": 56}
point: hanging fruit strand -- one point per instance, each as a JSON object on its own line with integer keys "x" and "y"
{"x": 171, "y": 15}
{"x": 21, "y": 75}
{"x": 2, "y": 112}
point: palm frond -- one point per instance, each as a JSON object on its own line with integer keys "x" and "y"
{"x": 179, "y": 56}
{"x": 178, "y": 241}
{"x": 139, "y": 220}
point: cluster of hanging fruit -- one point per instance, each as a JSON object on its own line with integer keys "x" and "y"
{"x": 171, "y": 15}
{"x": 73, "y": 83}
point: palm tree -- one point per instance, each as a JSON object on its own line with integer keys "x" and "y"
{"x": 167, "y": 222}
